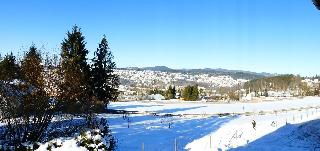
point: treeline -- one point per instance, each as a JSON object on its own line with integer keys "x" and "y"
{"x": 282, "y": 82}
{"x": 188, "y": 93}
{"x": 34, "y": 90}
{"x": 169, "y": 93}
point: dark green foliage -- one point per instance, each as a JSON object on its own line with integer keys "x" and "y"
{"x": 31, "y": 68}
{"x": 75, "y": 91}
{"x": 282, "y": 82}
{"x": 9, "y": 69}
{"x": 101, "y": 129}
{"x": 171, "y": 92}
{"x": 104, "y": 81}
{"x": 190, "y": 93}
{"x": 84, "y": 90}
{"x": 316, "y": 3}
{"x": 156, "y": 91}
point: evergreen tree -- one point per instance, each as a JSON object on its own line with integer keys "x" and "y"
{"x": 171, "y": 92}
{"x": 316, "y": 3}
{"x": 31, "y": 68}
{"x": 75, "y": 92}
{"x": 105, "y": 81}
{"x": 174, "y": 92}
{"x": 156, "y": 91}
{"x": 190, "y": 93}
{"x": 195, "y": 93}
{"x": 112, "y": 78}
{"x": 9, "y": 69}
{"x": 168, "y": 93}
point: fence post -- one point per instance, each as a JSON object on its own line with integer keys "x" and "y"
{"x": 210, "y": 141}
{"x": 142, "y": 146}
{"x": 175, "y": 144}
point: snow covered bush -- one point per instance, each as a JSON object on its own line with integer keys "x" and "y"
{"x": 98, "y": 138}
{"x": 56, "y": 143}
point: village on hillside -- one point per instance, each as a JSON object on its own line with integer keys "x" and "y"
{"x": 137, "y": 84}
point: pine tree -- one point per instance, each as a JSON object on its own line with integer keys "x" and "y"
{"x": 190, "y": 93}
{"x": 174, "y": 92}
{"x": 316, "y": 3}
{"x": 9, "y": 69}
{"x": 186, "y": 92}
{"x": 105, "y": 82}
{"x": 32, "y": 69}
{"x": 75, "y": 92}
{"x": 171, "y": 92}
{"x": 112, "y": 78}
{"x": 168, "y": 93}
{"x": 195, "y": 93}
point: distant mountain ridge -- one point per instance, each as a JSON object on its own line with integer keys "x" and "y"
{"x": 158, "y": 68}
{"x": 237, "y": 74}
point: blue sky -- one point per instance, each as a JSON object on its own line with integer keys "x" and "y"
{"x": 277, "y": 36}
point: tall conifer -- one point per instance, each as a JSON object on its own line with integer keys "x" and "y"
{"x": 75, "y": 88}
{"x": 105, "y": 82}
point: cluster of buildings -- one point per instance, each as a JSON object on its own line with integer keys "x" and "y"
{"x": 135, "y": 84}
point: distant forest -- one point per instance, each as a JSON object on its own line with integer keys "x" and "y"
{"x": 282, "y": 83}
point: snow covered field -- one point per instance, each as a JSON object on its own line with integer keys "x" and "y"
{"x": 194, "y": 129}
{"x": 191, "y": 107}
{"x": 195, "y": 126}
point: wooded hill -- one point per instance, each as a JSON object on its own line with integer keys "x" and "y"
{"x": 279, "y": 83}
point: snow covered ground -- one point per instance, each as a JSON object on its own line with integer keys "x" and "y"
{"x": 282, "y": 130}
{"x": 195, "y": 126}
{"x": 240, "y": 132}
{"x": 191, "y": 107}
{"x": 153, "y": 133}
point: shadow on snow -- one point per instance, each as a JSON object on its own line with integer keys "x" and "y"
{"x": 115, "y": 107}
{"x": 155, "y": 134}
{"x": 304, "y": 136}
